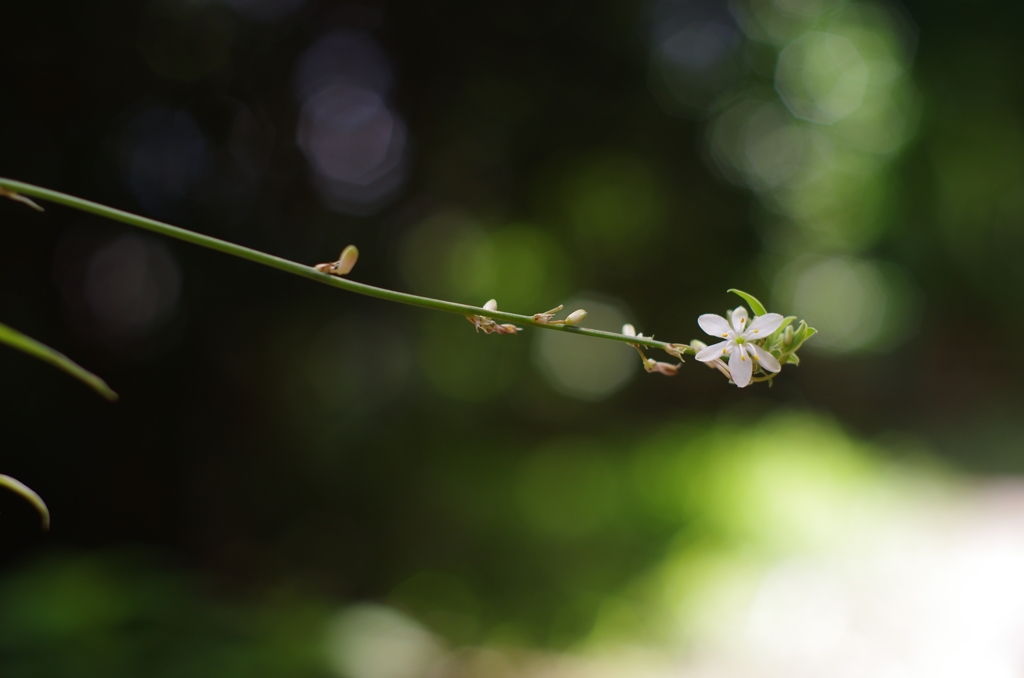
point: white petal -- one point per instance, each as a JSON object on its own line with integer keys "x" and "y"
{"x": 763, "y": 325}
{"x": 715, "y": 325}
{"x": 740, "y": 320}
{"x": 764, "y": 358}
{"x": 740, "y": 367}
{"x": 711, "y": 352}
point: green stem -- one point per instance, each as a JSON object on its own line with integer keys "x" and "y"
{"x": 303, "y": 270}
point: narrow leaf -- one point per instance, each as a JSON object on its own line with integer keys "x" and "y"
{"x": 18, "y": 197}
{"x": 16, "y": 339}
{"x": 756, "y": 306}
{"x": 25, "y": 491}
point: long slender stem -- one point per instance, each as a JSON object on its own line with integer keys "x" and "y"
{"x": 303, "y": 270}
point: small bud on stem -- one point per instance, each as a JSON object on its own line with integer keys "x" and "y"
{"x": 576, "y": 317}
{"x": 488, "y": 325}
{"x": 668, "y": 369}
{"x": 545, "y": 317}
{"x": 345, "y": 263}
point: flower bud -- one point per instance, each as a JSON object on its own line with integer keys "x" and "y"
{"x": 491, "y": 305}
{"x": 576, "y": 317}
{"x": 629, "y": 330}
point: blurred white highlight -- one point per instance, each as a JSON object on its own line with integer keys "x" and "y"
{"x": 585, "y": 369}
{"x": 373, "y": 641}
{"x": 924, "y": 587}
{"x": 131, "y": 288}
{"x": 821, "y": 77}
{"x": 354, "y": 141}
{"x": 846, "y": 296}
{"x": 853, "y": 303}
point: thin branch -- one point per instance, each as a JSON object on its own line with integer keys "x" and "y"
{"x": 18, "y": 189}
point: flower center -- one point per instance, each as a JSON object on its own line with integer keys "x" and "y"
{"x": 740, "y": 340}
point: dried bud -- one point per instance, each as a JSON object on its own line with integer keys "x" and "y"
{"x": 345, "y": 263}
{"x": 668, "y": 369}
{"x": 546, "y": 317}
{"x": 488, "y": 326}
{"x": 676, "y": 350}
{"x": 576, "y": 317}
{"x": 720, "y": 366}
{"x": 481, "y": 322}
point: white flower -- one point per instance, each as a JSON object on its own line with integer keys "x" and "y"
{"x": 739, "y": 342}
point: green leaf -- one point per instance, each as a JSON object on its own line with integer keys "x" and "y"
{"x": 26, "y": 492}
{"x": 756, "y": 306}
{"x": 16, "y": 339}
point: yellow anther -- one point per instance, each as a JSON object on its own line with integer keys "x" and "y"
{"x": 726, "y": 334}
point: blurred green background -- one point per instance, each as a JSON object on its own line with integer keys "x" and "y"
{"x": 301, "y": 482}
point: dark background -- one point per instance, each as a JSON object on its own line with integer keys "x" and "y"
{"x": 288, "y": 448}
